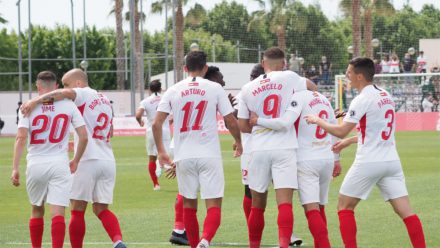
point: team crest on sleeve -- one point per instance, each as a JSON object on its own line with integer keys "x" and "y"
{"x": 352, "y": 113}
{"x": 294, "y": 104}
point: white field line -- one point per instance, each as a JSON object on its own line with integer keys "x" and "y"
{"x": 135, "y": 243}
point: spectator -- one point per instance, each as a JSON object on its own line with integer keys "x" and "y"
{"x": 2, "y": 124}
{"x": 377, "y": 67}
{"x": 312, "y": 74}
{"x": 385, "y": 63}
{"x": 18, "y": 109}
{"x": 325, "y": 70}
{"x": 394, "y": 64}
{"x": 429, "y": 103}
{"x": 408, "y": 64}
{"x": 294, "y": 64}
{"x": 435, "y": 80}
{"x": 422, "y": 63}
{"x": 427, "y": 90}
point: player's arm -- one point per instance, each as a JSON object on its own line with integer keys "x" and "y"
{"x": 311, "y": 85}
{"x": 20, "y": 142}
{"x": 139, "y": 114}
{"x": 282, "y": 123}
{"x": 342, "y": 144}
{"x": 232, "y": 124}
{"x": 244, "y": 125}
{"x": 80, "y": 148}
{"x": 159, "y": 119}
{"x": 52, "y": 96}
{"x": 339, "y": 131}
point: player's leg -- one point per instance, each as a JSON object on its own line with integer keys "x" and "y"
{"x": 109, "y": 222}
{"x": 58, "y": 227}
{"x": 178, "y": 236}
{"x": 152, "y": 156}
{"x": 190, "y": 220}
{"x": 247, "y": 197}
{"x": 256, "y": 218}
{"x": 36, "y": 225}
{"x": 212, "y": 221}
{"x": 77, "y": 224}
{"x": 347, "y": 221}
{"x": 393, "y": 189}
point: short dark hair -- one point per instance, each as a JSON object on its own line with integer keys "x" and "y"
{"x": 195, "y": 60}
{"x": 212, "y": 70}
{"x": 364, "y": 66}
{"x": 274, "y": 53}
{"x": 257, "y": 71}
{"x": 155, "y": 86}
{"x": 47, "y": 77}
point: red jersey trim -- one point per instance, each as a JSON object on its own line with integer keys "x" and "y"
{"x": 297, "y": 125}
{"x": 363, "y": 127}
{"x": 81, "y": 108}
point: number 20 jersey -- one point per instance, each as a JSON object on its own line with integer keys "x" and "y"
{"x": 269, "y": 96}
{"x": 373, "y": 112}
{"x": 98, "y": 115}
{"x": 194, "y": 103}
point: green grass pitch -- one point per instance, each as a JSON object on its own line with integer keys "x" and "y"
{"x": 146, "y": 217}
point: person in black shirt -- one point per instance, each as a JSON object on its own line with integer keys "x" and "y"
{"x": 325, "y": 69}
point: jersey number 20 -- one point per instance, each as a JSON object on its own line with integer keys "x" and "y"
{"x": 56, "y": 135}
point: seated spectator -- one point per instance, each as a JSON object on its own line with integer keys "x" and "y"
{"x": 325, "y": 70}
{"x": 385, "y": 63}
{"x": 394, "y": 64}
{"x": 312, "y": 74}
{"x": 429, "y": 104}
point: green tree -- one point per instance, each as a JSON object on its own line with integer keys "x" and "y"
{"x": 195, "y": 17}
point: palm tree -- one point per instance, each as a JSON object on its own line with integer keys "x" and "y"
{"x": 157, "y": 7}
{"x": 277, "y": 15}
{"x": 3, "y": 20}
{"x": 120, "y": 49}
{"x": 366, "y": 9}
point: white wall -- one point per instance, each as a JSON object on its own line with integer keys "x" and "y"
{"x": 431, "y": 49}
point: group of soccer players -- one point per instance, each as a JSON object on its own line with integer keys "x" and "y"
{"x": 286, "y": 134}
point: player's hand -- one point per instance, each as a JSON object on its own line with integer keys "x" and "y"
{"x": 232, "y": 100}
{"x": 339, "y": 113}
{"x": 15, "y": 178}
{"x": 141, "y": 123}
{"x": 73, "y": 166}
{"x": 238, "y": 149}
{"x": 340, "y": 145}
{"x": 312, "y": 119}
{"x": 170, "y": 172}
{"x": 337, "y": 169}
{"x": 253, "y": 119}
{"x": 164, "y": 159}
{"x": 27, "y": 107}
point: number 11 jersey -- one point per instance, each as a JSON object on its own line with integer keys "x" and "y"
{"x": 98, "y": 115}
{"x": 194, "y": 103}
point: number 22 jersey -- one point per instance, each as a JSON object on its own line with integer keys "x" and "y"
{"x": 98, "y": 115}
{"x": 373, "y": 112}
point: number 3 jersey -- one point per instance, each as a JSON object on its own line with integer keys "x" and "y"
{"x": 98, "y": 115}
{"x": 373, "y": 112}
{"x": 269, "y": 96}
{"x": 48, "y": 127}
{"x": 194, "y": 103}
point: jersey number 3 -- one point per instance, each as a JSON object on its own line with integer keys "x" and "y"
{"x": 188, "y": 109}
{"x": 386, "y": 135}
{"x": 57, "y": 130}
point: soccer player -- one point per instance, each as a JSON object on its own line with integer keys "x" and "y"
{"x": 48, "y": 176}
{"x": 194, "y": 103}
{"x": 316, "y": 161}
{"x": 377, "y": 161}
{"x": 94, "y": 180}
{"x": 273, "y": 152}
{"x": 149, "y": 106}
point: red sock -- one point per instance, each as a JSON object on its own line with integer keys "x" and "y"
{"x": 36, "y": 228}
{"x": 77, "y": 228}
{"x": 322, "y": 212}
{"x": 285, "y": 224}
{"x": 191, "y": 226}
{"x": 178, "y": 210}
{"x": 152, "y": 170}
{"x": 255, "y": 227}
{"x": 58, "y": 231}
{"x": 247, "y": 205}
{"x": 212, "y": 222}
{"x": 415, "y": 231}
{"x": 347, "y": 226}
{"x": 318, "y": 229}
{"x": 111, "y": 225}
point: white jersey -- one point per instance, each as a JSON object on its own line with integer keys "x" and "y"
{"x": 314, "y": 142}
{"x": 373, "y": 111}
{"x": 385, "y": 66}
{"x": 98, "y": 115}
{"x": 194, "y": 103}
{"x": 149, "y": 105}
{"x": 394, "y": 66}
{"x": 48, "y": 128}
{"x": 268, "y": 96}
{"x": 245, "y": 137}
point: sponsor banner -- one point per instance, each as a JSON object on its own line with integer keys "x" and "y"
{"x": 127, "y": 126}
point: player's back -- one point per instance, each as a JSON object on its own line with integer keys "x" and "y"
{"x": 48, "y": 126}
{"x": 268, "y": 96}
{"x": 150, "y": 104}
{"x": 314, "y": 142}
{"x": 194, "y": 103}
{"x": 98, "y": 116}
{"x": 375, "y": 110}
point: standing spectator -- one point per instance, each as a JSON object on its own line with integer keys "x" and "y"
{"x": 377, "y": 67}
{"x": 408, "y": 65}
{"x": 394, "y": 64}
{"x": 2, "y": 124}
{"x": 422, "y": 64}
{"x": 294, "y": 64}
{"x": 312, "y": 74}
{"x": 325, "y": 69}
{"x": 386, "y": 63}
{"x": 18, "y": 109}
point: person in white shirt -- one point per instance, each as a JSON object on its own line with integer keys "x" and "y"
{"x": 48, "y": 178}
{"x": 149, "y": 106}
{"x": 394, "y": 64}
{"x": 273, "y": 153}
{"x": 94, "y": 180}
{"x": 316, "y": 162}
{"x": 422, "y": 63}
{"x": 194, "y": 103}
{"x": 386, "y": 63}
{"x": 377, "y": 161}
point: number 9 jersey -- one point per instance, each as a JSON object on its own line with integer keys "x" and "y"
{"x": 97, "y": 112}
{"x": 373, "y": 112}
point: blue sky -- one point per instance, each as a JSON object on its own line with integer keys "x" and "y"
{"x": 52, "y": 12}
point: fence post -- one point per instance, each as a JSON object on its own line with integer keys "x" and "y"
{"x": 259, "y": 53}
{"x": 238, "y": 51}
